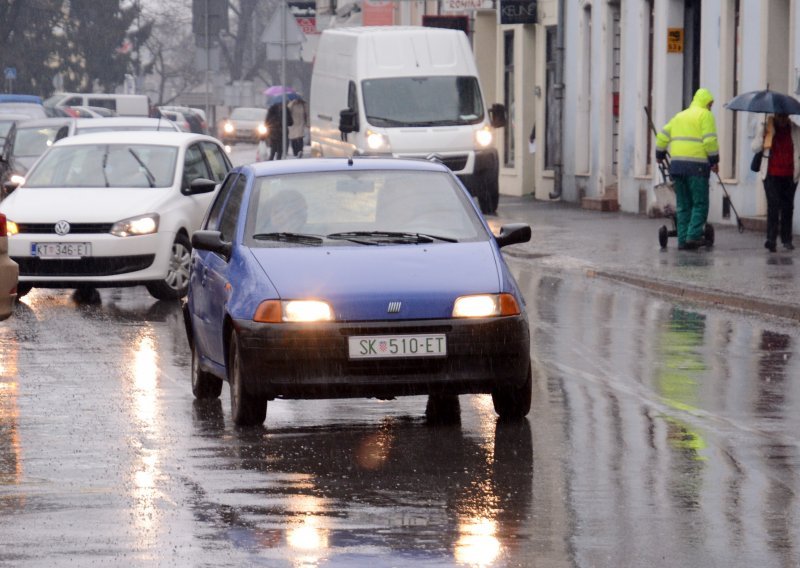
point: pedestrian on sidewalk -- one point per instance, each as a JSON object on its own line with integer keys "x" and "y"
{"x": 274, "y": 122}
{"x": 690, "y": 137}
{"x": 299, "y": 110}
{"x": 779, "y": 140}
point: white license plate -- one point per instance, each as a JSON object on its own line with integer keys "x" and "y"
{"x": 61, "y": 250}
{"x": 388, "y": 346}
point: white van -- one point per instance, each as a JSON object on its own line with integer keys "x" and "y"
{"x": 405, "y": 91}
{"x": 123, "y": 105}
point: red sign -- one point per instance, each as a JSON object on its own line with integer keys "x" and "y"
{"x": 308, "y": 25}
{"x": 377, "y": 12}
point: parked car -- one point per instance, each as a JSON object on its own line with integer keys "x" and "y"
{"x": 89, "y": 111}
{"x": 122, "y": 104}
{"x": 327, "y": 278}
{"x": 126, "y": 123}
{"x": 30, "y": 139}
{"x": 245, "y": 124}
{"x": 194, "y": 117}
{"x": 100, "y": 210}
{"x": 9, "y": 272}
{"x": 31, "y": 110}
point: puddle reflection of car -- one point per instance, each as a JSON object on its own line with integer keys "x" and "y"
{"x": 103, "y": 210}
{"x": 354, "y": 278}
{"x": 8, "y": 274}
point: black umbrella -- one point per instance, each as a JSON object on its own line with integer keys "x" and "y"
{"x": 765, "y": 101}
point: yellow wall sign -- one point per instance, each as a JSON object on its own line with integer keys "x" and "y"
{"x": 675, "y": 40}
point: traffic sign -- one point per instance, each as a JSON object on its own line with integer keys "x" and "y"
{"x": 10, "y": 73}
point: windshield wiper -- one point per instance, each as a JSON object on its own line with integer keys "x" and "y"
{"x": 151, "y": 180}
{"x": 284, "y": 237}
{"x": 386, "y": 121}
{"x": 105, "y": 161}
{"x": 375, "y": 237}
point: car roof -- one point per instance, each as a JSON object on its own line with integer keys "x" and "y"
{"x": 38, "y": 122}
{"x": 14, "y": 117}
{"x": 311, "y": 165}
{"x": 85, "y": 125}
{"x": 165, "y": 138}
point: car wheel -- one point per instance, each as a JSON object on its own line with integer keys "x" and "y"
{"x": 246, "y": 409}
{"x": 443, "y": 409}
{"x": 513, "y": 403}
{"x": 204, "y": 385}
{"x": 708, "y": 234}
{"x": 488, "y": 193}
{"x": 176, "y": 284}
{"x": 23, "y": 289}
{"x": 663, "y": 235}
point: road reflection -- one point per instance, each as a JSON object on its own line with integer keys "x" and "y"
{"x": 394, "y": 489}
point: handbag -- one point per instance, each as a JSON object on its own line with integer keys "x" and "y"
{"x": 755, "y": 165}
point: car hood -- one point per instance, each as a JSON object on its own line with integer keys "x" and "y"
{"x": 82, "y": 205}
{"x": 360, "y": 281}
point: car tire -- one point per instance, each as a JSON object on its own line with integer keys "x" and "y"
{"x": 443, "y": 409}
{"x": 23, "y": 289}
{"x": 513, "y": 403}
{"x": 663, "y": 235}
{"x": 488, "y": 192}
{"x": 176, "y": 284}
{"x": 246, "y": 409}
{"x": 205, "y": 386}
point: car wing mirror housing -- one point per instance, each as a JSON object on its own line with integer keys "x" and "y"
{"x": 211, "y": 241}
{"x": 200, "y": 185}
{"x": 513, "y": 233}
{"x": 497, "y": 115}
{"x": 348, "y": 121}
{"x": 10, "y": 186}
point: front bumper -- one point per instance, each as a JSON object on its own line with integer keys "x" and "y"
{"x": 298, "y": 361}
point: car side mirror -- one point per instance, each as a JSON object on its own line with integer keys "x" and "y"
{"x": 10, "y": 186}
{"x": 513, "y": 233}
{"x": 498, "y": 117}
{"x": 212, "y": 242}
{"x": 199, "y": 185}
{"x": 348, "y": 121}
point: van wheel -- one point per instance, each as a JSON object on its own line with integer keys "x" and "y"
{"x": 488, "y": 192}
{"x": 176, "y": 284}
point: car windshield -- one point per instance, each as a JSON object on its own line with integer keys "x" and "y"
{"x": 249, "y": 114}
{"x": 422, "y": 101}
{"x": 33, "y": 141}
{"x": 364, "y": 208}
{"x": 5, "y": 126}
{"x": 105, "y": 165}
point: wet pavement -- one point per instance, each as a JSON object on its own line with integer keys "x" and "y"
{"x": 737, "y": 271}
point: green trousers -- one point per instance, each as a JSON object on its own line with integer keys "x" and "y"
{"x": 691, "y": 197}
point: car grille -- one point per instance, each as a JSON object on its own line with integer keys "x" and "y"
{"x": 455, "y": 163}
{"x": 74, "y": 228}
{"x": 411, "y": 366}
{"x": 88, "y": 266}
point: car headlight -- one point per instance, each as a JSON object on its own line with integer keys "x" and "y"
{"x": 262, "y": 129}
{"x": 228, "y": 128}
{"x": 485, "y": 306}
{"x": 141, "y": 225}
{"x": 483, "y": 137}
{"x": 293, "y": 311}
{"x": 377, "y": 142}
{"x": 17, "y": 179}
{"x": 11, "y": 228}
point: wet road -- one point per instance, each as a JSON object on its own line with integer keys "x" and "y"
{"x": 660, "y": 435}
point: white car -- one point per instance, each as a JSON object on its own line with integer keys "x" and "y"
{"x": 102, "y": 210}
{"x": 8, "y": 274}
{"x": 127, "y": 123}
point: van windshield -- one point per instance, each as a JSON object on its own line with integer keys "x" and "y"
{"x": 422, "y": 101}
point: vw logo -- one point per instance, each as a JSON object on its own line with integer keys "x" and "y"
{"x": 62, "y": 228}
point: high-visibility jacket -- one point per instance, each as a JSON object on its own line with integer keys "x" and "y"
{"x": 691, "y": 136}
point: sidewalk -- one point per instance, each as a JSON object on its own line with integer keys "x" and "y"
{"x": 738, "y": 272}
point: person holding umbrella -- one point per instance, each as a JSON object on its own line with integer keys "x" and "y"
{"x": 691, "y": 137}
{"x": 779, "y": 140}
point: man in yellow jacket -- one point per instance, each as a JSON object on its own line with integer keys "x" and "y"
{"x": 691, "y": 136}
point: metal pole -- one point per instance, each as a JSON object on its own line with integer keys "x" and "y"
{"x": 283, "y": 77}
{"x": 208, "y": 61}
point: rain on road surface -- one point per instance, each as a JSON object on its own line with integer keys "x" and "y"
{"x": 660, "y": 435}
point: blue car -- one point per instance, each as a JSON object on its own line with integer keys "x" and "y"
{"x": 365, "y": 277}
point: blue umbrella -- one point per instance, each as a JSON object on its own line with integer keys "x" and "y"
{"x": 277, "y": 99}
{"x": 766, "y": 101}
